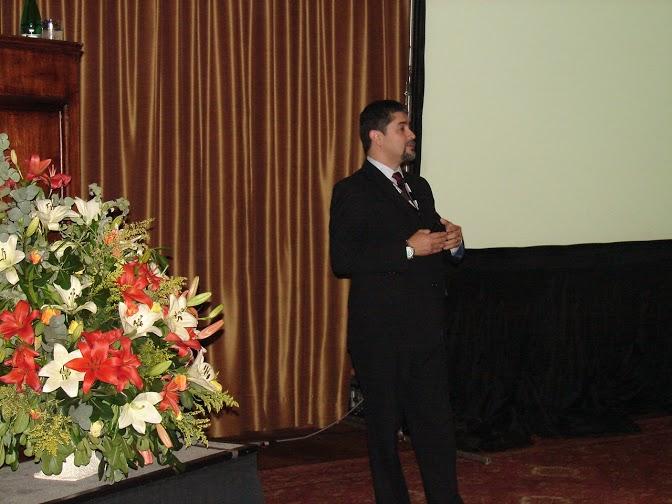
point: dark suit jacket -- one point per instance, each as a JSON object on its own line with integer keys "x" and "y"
{"x": 392, "y": 300}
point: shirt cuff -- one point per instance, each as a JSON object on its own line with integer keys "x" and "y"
{"x": 457, "y": 251}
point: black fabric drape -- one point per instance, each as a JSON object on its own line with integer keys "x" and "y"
{"x": 417, "y": 78}
{"x": 559, "y": 340}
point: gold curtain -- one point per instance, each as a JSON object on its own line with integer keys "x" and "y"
{"x": 229, "y": 122}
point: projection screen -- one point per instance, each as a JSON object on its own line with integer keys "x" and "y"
{"x": 550, "y": 121}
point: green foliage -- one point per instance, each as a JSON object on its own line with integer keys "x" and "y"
{"x": 50, "y": 434}
{"x": 214, "y": 400}
{"x": 152, "y": 355}
{"x": 14, "y": 404}
{"x": 171, "y": 286}
{"x": 192, "y": 425}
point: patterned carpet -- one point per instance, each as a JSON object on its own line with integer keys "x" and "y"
{"x": 633, "y": 469}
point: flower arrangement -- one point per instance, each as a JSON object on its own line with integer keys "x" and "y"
{"x": 100, "y": 349}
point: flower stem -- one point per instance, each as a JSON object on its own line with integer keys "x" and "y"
{"x": 27, "y": 287}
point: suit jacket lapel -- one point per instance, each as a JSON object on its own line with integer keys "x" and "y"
{"x": 386, "y": 187}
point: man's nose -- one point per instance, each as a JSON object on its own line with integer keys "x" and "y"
{"x": 411, "y": 135}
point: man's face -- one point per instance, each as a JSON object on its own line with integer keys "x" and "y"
{"x": 398, "y": 141}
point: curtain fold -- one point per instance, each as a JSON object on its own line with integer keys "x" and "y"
{"x": 229, "y": 122}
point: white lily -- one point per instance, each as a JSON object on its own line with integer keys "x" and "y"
{"x": 59, "y": 376}
{"x": 89, "y": 210}
{"x": 60, "y": 247}
{"x": 179, "y": 318}
{"x": 9, "y": 256}
{"x": 139, "y": 411}
{"x": 51, "y": 216}
{"x": 68, "y": 296}
{"x": 201, "y": 373}
{"x": 142, "y": 320}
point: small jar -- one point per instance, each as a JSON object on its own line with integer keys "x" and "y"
{"x": 51, "y": 29}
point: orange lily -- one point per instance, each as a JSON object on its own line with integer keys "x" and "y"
{"x": 36, "y": 166}
{"x": 127, "y": 365}
{"x": 24, "y": 369}
{"x": 183, "y": 347}
{"x": 58, "y": 180}
{"x": 96, "y": 362}
{"x": 132, "y": 286}
{"x": 19, "y": 322}
{"x": 171, "y": 396}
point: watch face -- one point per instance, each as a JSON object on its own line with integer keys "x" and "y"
{"x": 410, "y": 252}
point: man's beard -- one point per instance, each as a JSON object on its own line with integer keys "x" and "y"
{"x": 408, "y": 156}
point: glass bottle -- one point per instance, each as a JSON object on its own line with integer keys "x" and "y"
{"x": 31, "y": 24}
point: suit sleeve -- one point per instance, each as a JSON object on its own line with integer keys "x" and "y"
{"x": 355, "y": 246}
{"x": 426, "y": 200}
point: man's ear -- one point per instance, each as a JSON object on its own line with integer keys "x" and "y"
{"x": 375, "y": 136}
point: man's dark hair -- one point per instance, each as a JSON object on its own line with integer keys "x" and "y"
{"x": 376, "y": 116}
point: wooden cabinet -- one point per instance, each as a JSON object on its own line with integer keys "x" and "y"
{"x": 39, "y": 101}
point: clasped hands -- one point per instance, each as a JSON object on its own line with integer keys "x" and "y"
{"x": 426, "y": 242}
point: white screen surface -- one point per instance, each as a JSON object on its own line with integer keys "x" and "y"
{"x": 550, "y": 121}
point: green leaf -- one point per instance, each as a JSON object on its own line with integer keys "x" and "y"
{"x": 103, "y": 410}
{"x": 21, "y": 422}
{"x": 187, "y": 400}
{"x": 115, "y": 417}
{"x": 14, "y": 214}
{"x": 51, "y": 465}
{"x": 81, "y": 415}
{"x": 117, "y": 457}
{"x": 159, "y": 368}
{"x": 5, "y": 411}
{"x": 10, "y": 457}
{"x": 55, "y": 332}
{"x": 8, "y": 438}
{"x": 143, "y": 443}
{"x": 82, "y": 454}
{"x": 39, "y": 328}
{"x": 26, "y": 207}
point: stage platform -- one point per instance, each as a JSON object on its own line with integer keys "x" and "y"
{"x": 220, "y": 474}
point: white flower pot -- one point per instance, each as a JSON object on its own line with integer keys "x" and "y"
{"x": 71, "y": 472}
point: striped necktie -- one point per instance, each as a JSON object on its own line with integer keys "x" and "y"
{"x": 399, "y": 179}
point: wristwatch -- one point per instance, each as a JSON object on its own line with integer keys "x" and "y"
{"x": 410, "y": 251}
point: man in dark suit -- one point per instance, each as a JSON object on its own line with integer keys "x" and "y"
{"x": 387, "y": 237}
